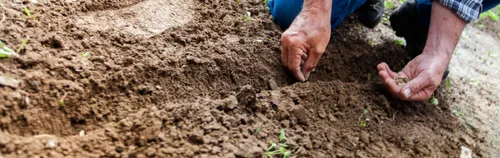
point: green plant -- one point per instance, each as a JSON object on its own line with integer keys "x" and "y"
{"x": 493, "y": 16}
{"x": 433, "y": 100}
{"x": 388, "y": 5}
{"x": 28, "y": 13}
{"x": 400, "y": 42}
{"x": 363, "y": 122}
{"x": 447, "y": 84}
{"x": 402, "y": 1}
{"x": 86, "y": 54}
{"x": 5, "y": 51}
{"x": 257, "y": 130}
{"x": 23, "y": 44}
{"x": 457, "y": 112}
{"x": 279, "y": 149}
{"x": 247, "y": 17}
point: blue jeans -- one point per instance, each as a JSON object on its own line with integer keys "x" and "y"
{"x": 285, "y": 11}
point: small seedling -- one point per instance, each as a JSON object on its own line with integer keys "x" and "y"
{"x": 28, "y": 13}
{"x": 482, "y": 15}
{"x": 86, "y": 54}
{"x": 247, "y": 17}
{"x": 369, "y": 76}
{"x": 5, "y": 51}
{"x": 278, "y": 149}
{"x": 23, "y": 45}
{"x": 370, "y": 42}
{"x": 400, "y": 42}
{"x": 474, "y": 81}
{"x": 457, "y": 113}
{"x": 363, "y": 123}
{"x": 388, "y": 5}
{"x": 447, "y": 84}
{"x": 402, "y": 1}
{"x": 433, "y": 100}
{"x": 257, "y": 130}
{"x": 61, "y": 101}
{"x": 283, "y": 136}
{"x": 490, "y": 54}
{"x": 493, "y": 16}
{"x": 481, "y": 25}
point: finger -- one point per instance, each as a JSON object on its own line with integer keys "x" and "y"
{"x": 311, "y": 63}
{"x": 294, "y": 59}
{"x": 415, "y": 89}
{"x": 384, "y": 66}
{"x": 389, "y": 83}
{"x": 303, "y": 60}
{"x": 284, "y": 55}
{"x": 423, "y": 95}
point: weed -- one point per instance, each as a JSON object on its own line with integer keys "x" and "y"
{"x": 5, "y": 51}
{"x": 402, "y": 1}
{"x": 388, "y": 5}
{"x": 247, "y": 17}
{"x": 400, "y": 42}
{"x": 256, "y": 131}
{"x": 490, "y": 54}
{"x": 493, "y": 16}
{"x": 457, "y": 112}
{"x": 283, "y": 136}
{"x": 433, "y": 100}
{"x": 447, "y": 84}
{"x": 28, "y": 13}
{"x": 61, "y": 101}
{"x": 86, "y": 54}
{"x": 370, "y": 42}
{"x": 369, "y": 76}
{"x": 474, "y": 81}
{"x": 23, "y": 45}
{"x": 364, "y": 122}
{"x": 280, "y": 148}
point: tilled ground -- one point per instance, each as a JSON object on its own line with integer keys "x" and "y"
{"x": 196, "y": 78}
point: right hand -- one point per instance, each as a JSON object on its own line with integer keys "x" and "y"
{"x": 304, "y": 42}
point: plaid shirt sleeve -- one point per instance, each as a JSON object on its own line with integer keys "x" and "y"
{"x": 468, "y": 10}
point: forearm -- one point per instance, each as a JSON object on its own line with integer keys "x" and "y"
{"x": 444, "y": 31}
{"x": 323, "y": 7}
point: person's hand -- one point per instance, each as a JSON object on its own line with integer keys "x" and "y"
{"x": 424, "y": 74}
{"x": 304, "y": 42}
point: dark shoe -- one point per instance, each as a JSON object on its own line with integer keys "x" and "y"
{"x": 406, "y": 23}
{"x": 371, "y": 13}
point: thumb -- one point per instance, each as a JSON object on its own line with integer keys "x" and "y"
{"x": 415, "y": 89}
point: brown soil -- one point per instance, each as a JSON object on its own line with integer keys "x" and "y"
{"x": 200, "y": 86}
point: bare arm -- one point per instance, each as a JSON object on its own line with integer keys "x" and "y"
{"x": 426, "y": 70}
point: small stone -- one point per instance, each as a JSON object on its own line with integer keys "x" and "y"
{"x": 8, "y": 81}
{"x": 151, "y": 152}
{"x": 51, "y": 143}
{"x": 466, "y": 152}
{"x": 82, "y": 133}
{"x": 273, "y": 85}
{"x": 322, "y": 114}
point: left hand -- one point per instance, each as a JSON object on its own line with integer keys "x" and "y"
{"x": 424, "y": 74}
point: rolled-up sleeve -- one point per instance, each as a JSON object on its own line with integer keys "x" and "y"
{"x": 468, "y": 10}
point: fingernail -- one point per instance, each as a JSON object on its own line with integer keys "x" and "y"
{"x": 307, "y": 76}
{"x": 407, "y": 93}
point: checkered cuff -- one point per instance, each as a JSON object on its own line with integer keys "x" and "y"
{"x": 468, "y": 10}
